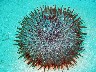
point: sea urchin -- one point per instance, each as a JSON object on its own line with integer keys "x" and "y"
{"x": 51, "y": 37}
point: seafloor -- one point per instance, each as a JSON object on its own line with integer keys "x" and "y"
{"x": 13, "y": 11}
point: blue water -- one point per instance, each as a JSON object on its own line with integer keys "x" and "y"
{"x": 13, "y": 11}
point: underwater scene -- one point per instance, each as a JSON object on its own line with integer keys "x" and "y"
{"x": 48, "y": 36}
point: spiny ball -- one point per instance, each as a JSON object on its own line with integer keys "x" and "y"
{"x": 51, "y": 37}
